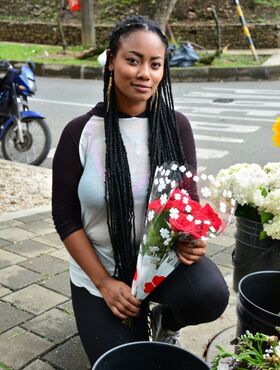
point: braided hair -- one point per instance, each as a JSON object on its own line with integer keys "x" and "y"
{"x": 164, "y": 145}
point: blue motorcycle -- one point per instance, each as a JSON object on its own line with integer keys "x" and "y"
{"x": 24, "y": 134}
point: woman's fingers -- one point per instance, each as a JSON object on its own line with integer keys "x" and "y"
{"x": 191, "y": 252}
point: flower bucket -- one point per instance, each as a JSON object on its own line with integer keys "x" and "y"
{"x": 250, "y": 253}
{"x": 258, "y": 304}
{"x": 149, "y": 356}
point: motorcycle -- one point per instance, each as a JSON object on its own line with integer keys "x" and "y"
{"x": 24, "y": 133}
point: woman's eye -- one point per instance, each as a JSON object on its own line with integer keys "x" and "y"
{"x": 132, "y": 61}
{"x": 156, "y": 65}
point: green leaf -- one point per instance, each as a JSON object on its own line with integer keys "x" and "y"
{"x": 262, "y": 235}
{"x": 266, "y": 216}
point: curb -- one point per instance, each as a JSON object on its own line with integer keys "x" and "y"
{"x": 27, "y": 212}
{"x": 190, "y": 74}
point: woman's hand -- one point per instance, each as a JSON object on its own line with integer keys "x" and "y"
{"x": 118, "y": 298}
{"x": 191, "y": 251}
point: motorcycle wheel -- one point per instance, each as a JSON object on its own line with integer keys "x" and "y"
{"x": 36, "y": 145}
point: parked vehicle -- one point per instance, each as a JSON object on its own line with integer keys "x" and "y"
{"x": 24, "y": 133}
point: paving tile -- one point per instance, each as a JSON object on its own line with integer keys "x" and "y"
{"x": 59, "y": 283}
{"x": 46, "y": 214}
{"x": 51, "y": 239}
{"x": 4, "y": 291}
{"x": 39, "y": 365}
{"x": 213, "y": 249}
{"x": 8, "y": 258}
{"x": 4, "y": 242}
{"x": 29, "y": 248}
{"x": 61, "y": 253}
{"x": 16, "y": 277}
{"x": 9, "y": 223}
{"x": 55, "y": 325}
{"x": 18, "y": 347}
{"x": 70, "y": 356}
{"x": 38, "y": 227}
{"x": 35, "y": 299}
{"x": 31, "y": 218}
{"x": 11, "y": 316}
{"x": 16, "y": 234}
{"x": 223, "y": 241}
{"x": 45, "y": 264}
{"x": 67, "y": 307}
{"x": 222, "y": 259}
{"x": 225, "y": 270}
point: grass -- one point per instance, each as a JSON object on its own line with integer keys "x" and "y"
{"x": 55, "y": 54}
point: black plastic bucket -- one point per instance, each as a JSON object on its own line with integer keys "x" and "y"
{"x": 258, "y": 303}
{"x": 149, "y": 356}
{"x": 250, "y": 253}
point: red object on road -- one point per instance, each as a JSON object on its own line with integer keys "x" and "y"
{"x": 74, "y": 5}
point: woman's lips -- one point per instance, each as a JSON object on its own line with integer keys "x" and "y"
{"x": 142, "y": 88}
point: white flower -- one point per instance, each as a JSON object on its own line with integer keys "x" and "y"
{"x": 206, "y": 222}
{"x": 204, "y": 238}
{"x": 223, "y": 207}
{"x": 203, "y": 177}
{"x": 197, "y": 222}
{"x": 167, "y": 180}
{"x": 190, "y": 218}
{"x": 206, "y": 192}
{"x": 167, "y": 172}
{"x": 185, "y": 200}
{"x": 161, "y": 187}
{"x": 182, "y": 168}
{"x": 163, "y": 199}
{"x": 189, "y": 174}
{"x": 212, "y": 228}
{"x": 153, "y": 248}
{"x": 151, "y": 215}
{"x": 164, "y": 233}
{"x": 188, "y": 208}
{"x": 174, "y": 213}
{"x": 173, "y": 184}
{"x": 156, "y": 182}
{"x": 211, "y": 178}
{"x": 177, "y": 196}
{"x": 162, "y": 172}
{"x": 161, "y": 181}
{"x": 167, "y": 241}
{"x": 184, "y": 191}
{"x": 144, "y": 238}
{"x": 174, "y": 167}
{"x": 196, "y": 178}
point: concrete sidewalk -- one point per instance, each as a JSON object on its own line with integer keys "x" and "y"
{"x": 37, "y": 327}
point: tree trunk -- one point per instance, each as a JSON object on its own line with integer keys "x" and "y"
{"x": 88, "y": 24}
{"x": 60, "y": 9}
{"x": 163, "y": 11}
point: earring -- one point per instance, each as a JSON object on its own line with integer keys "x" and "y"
{"x": 108, "y": 92}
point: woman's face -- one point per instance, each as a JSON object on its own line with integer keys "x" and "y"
{"x": 138, "y": 69}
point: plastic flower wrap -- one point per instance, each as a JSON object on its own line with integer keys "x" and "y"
{"x": 256, "y": 190}
{"x": 174, "y": 213}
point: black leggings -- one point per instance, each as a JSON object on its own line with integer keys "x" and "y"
{"x": 192, "y": 294}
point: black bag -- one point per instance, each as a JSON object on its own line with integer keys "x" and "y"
{"x": 184, "y": 56}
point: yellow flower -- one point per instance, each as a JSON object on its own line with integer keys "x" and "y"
{"x": 276, "y": 130}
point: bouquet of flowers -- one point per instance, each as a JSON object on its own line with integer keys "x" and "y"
{"x": 257, "y": 192}
{"x": 254, "y": 351}
{"x": 173, "y": 212}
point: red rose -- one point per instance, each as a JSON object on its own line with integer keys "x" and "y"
{"x": 155, "y": 205}
{"x": 212, "y": 216}
{"x": 149, "y": 287}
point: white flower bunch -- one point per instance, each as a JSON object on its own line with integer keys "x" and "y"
{"x": 256, "y": 187}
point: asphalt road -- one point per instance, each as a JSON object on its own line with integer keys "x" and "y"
{"x": 231, "y": 121}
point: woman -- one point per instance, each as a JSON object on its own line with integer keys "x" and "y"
{"x": 102, "y": 174}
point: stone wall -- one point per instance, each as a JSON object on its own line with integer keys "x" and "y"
{"x": 264, "y": 35}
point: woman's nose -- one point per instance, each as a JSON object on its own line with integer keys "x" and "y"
{"x": 143, "y": 72}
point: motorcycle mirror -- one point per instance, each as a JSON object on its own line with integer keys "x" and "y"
{"x": 31, "y": 65}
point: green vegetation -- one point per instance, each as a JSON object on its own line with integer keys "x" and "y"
{"x": 55, "y": 54}
{"x": 269, "y": 3}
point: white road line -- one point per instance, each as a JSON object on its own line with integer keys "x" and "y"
{"x": 226, "y": 127}
{"x": 242, "y": 91}
{"x": 230, "y": 118}
{"x": 203, "y": 94}
{"x": 203, "y": 153}
{"x": 211, "y": 110}
{"x": 233, "y": 103}
{"x": 61, "y": 102}
{"x": 217, "y": 139}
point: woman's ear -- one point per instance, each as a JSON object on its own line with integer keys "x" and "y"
{"x": 111, "y": 59}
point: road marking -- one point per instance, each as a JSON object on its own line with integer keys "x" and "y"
{"x": 203, "y": 94}
{"x": 242, "y": 91}
{"x": 227, "y": 127}
{"x": 203, "y": 153}
{"x": 217, "y": 139}
{"x": 210, "y": 110}
{"x": 230, "y": 118}
{"x": 233, "y": 103}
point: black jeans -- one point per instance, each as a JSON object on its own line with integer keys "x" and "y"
{"x": 192, "y": 294}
